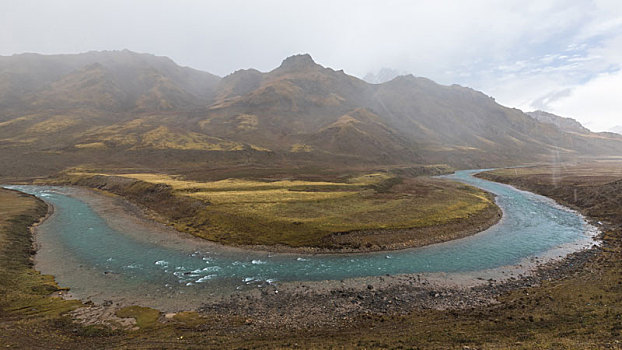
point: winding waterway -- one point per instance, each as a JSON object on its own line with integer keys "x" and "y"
{"x": 100, "y": 254}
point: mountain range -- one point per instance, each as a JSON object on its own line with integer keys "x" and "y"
{"x": 128, "y": 110}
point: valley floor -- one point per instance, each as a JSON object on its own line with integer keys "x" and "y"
{"x": 576, "y": 304}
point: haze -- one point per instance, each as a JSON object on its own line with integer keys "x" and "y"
{"x": 564, "y": 57}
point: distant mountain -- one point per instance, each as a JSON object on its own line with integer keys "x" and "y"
{"x": 566, "y": 124}
{"x": 124, "y": 109}
{"x": 109, "y": 80}
{"x": 617, "y": 129}
{"x": 383, "y": 75}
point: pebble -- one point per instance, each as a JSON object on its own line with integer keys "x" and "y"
{"x": 313, "y": 306}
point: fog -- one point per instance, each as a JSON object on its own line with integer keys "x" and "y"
{"x": 564, "y": 57}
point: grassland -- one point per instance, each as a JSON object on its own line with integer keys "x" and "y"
{"x": 297, "y": 213}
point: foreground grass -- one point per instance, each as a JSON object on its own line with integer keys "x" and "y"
{"x": 298, "y": 213}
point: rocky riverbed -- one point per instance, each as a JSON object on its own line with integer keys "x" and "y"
{"x": 308, "y": 305}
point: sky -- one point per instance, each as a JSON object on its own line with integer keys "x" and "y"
{"x": 563, "y": 57}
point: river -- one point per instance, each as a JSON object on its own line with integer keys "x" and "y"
{"x": 102, "y": 254}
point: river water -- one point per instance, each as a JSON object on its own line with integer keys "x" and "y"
{"x": 101, "y": 257}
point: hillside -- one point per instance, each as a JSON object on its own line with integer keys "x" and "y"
{"x": 120, "y": 109}
{"x": 110, "y": 80}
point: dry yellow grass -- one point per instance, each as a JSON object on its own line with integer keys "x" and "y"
{"x": 54, "y": 124}
{"x": 247, "y": 122}
{"x": 177, "y": 183}
{"x": 146, "y": 133}
{"x": 92, "y": 145}
{"x": 298, "y": 147}
{"x": 370, "y": 179}
{"x": 266, "y": 196}
{"x": 164, "y": 138}
{"x": 12, "y": 204}
{"x": 302, "y": 213}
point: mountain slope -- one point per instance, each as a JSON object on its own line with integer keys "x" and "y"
{"x": 362, "y": 133}
{"x": 139, "y": 81}
{"x": 126, "y": 108}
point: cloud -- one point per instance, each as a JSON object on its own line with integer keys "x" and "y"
{"x": 525, "y": 53}
{"x": 578, "y": 81}
{"x": 597, "y": 102}
{"x": 425, "y": 38}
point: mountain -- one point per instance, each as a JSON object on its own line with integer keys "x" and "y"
{"x": 382, "y": 76}
{"x": 108, "y": 80}
{"x": 566, "y": 124}
{"x": 128, "y": 110}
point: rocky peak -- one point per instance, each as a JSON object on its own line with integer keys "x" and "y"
{"x": 298, "y": 62}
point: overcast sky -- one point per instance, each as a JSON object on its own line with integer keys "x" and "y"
{"x": 564, "y": 57}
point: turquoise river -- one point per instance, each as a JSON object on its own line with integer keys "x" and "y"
{"x": 101, "y": 256}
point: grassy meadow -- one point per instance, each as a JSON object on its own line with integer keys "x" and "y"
{"x": 300, "y": 213}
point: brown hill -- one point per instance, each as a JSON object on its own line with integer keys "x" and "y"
{"x": 122, "y": 108}
{"x": 122, "y": 79}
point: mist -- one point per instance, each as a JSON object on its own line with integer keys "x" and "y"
{"x": 527, "y": 54}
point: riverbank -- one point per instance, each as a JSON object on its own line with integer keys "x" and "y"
{"x": 368, "y": 213}
{"x": 342, "y": 303}
{"x": 118, "y": 206}
{"x": 26, "y": 310}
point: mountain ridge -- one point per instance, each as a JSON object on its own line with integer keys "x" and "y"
{"x": 122, "y": 104}
{"x": 131, "y": 72}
